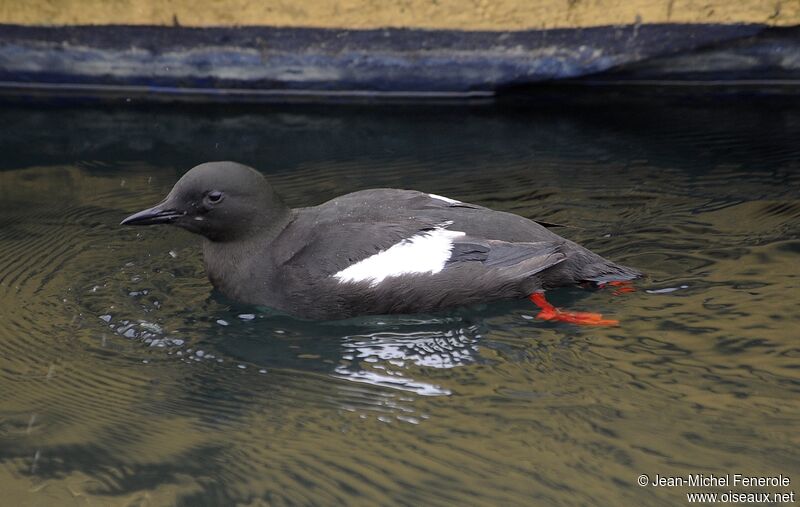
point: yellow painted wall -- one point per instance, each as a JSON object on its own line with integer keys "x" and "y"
{"x": 445, "y": 14}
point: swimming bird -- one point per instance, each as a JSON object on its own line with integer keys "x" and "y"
{"x": 377, "y": 251}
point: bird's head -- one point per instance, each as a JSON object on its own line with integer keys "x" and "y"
{"x": 222, "y": 201}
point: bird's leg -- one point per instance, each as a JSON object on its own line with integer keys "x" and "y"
{"x": 622, "y": 286}
{"x": 550, "y": 312}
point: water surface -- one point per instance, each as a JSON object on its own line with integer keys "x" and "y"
{"x": 125, "y": 380}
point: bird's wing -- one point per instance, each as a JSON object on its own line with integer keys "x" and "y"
{"x": 330, "y": 247}
{"x": 372, "y": 252}
{"x": 385, "y": 204}
{"x": 509, "y": 260}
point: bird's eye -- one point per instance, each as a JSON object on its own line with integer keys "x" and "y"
{"x": 214, "y": 196}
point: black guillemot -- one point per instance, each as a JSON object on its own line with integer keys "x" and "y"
{"x": 377, "y": 251}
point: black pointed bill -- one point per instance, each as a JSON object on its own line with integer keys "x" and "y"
{"x": 158, "y": 214}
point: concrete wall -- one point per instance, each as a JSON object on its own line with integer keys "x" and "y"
{"x": 431, "y": 14}
{"x": 251, "y": 50}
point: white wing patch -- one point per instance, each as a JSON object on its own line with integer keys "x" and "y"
{"x": 445, "y": 199}
{"x": 423, "y": 253}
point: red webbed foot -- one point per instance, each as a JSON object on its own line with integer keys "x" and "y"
{"x": 550, "y": 312}
{"x": 622, "y": 286}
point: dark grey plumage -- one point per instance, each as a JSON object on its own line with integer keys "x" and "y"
{"x": 259, "y": 251}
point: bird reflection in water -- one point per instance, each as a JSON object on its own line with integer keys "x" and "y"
{"x": 380, "y": 358}
{"x": 393, "y": 356}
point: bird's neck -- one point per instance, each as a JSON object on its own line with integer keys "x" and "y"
{"x": 237, "y": 266}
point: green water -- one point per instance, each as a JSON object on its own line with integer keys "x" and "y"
{"x": 125, "y": 380}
